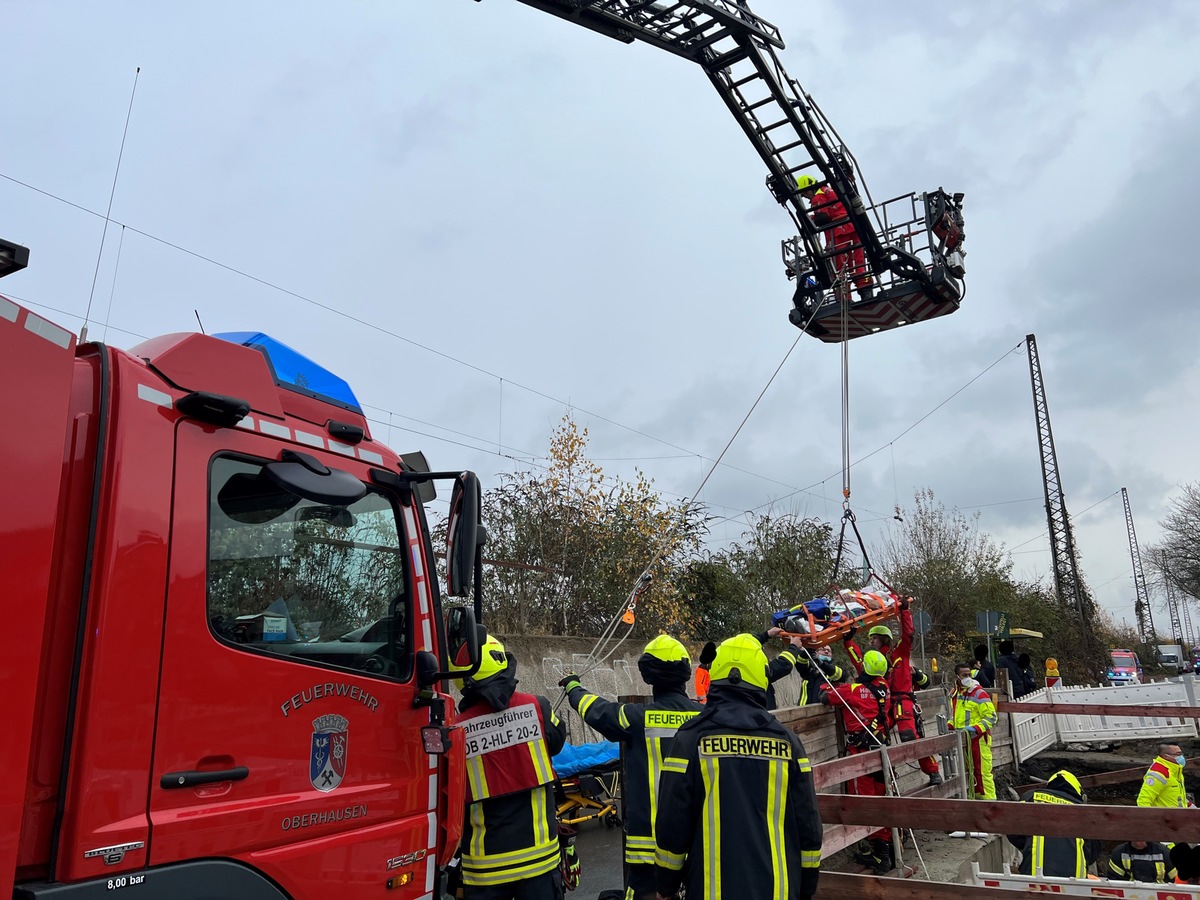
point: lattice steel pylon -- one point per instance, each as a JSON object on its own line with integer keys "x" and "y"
{"x": 1172, "y": 604}
{"x": 1068, "y": 583}
{"x": 1141, "y": 606}
{"x": 912, "y": 250}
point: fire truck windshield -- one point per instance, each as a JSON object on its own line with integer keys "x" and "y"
{"x": 315, "y": 582}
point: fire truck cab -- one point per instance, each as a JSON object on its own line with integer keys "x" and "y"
{"x": 227, "y": 661}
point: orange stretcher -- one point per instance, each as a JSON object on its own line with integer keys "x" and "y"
{"x": 845, "y": 610}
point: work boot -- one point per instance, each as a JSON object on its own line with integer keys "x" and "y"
{"x": 882, "y": 851}
{"x": 935, "y": 778}
{"x": 864, "y": 855}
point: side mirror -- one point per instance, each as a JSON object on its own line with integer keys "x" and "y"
{"x": 462, "y": 536}
{"x": 464, "y": 649}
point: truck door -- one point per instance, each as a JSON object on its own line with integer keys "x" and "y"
{"x": 286, "y": 733}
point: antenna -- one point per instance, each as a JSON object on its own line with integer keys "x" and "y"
{"x": 108, "y": 212}
{"x": 198, "y": 322}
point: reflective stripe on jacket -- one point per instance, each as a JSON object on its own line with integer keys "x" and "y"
{"x": 738, "y": 807}
{"x": 510, "y": 835}
{"x": 1162, "y": 785}
{"x": 645, "y": 733}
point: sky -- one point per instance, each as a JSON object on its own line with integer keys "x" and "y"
{"x": 484, "y": 217}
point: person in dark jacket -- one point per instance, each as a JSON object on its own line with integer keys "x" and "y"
{"x": 985, "y": 672}
{"x": 783, "y": 664}
{"x": 1027, "y": 676}
{"x": 1059, "y": 857}
{"x": 510, "y": 845}
{"x": 645, "y": 733}
{"x": 737, "y": 810}
{"x": 1008, "y": 662}
{"x": 1146, "y": 861}
{"x": 815, "y": 673}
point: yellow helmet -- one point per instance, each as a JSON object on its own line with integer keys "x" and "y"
{"x": 744, "y": 655}
{"x": 1071, "y": 780}
{"x": 880, "y": 631}
{"x": 493, "y": 660}
{"x": 875, "y": 663}
{"x": 804, "y": 182}
{"x": 667, "y": 649}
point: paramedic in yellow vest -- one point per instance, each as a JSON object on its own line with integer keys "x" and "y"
{"x": 972, "y": 711}
{"x": 510, "y": 848}
{"x": 645, "y": 733}
{"x": 737, "y": 811}
{"x": 1162, "y": 784}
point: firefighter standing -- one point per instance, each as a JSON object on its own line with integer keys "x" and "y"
{"x": 1146, "y": 861}
{"x": 972, "y": 711}
{"x": 827, "y": 207}
{"x": 1058, "y": 857}
{"x": 645, "y": 733}
{"x": 814, "y": 674}
{"x": 900, "y": 680}
{"x": 865, "y": 704}
{"x": 782, "y": 665}
{"x": 1162, "y": 785}
{"x": 736, "y": 802}
{"x": 510, "y": 845}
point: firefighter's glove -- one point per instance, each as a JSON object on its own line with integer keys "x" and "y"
{"x": 569, "y": 682}
{"x": 853, "y": 630}
{"x": 570, "y": 868}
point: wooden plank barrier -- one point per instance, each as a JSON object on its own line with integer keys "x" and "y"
{"x": 843, "y": 886}
{"x": 848, "y": 768}
{"x": 1116, "y": 776}
{"x": 1118, "y": 823}
{"x": 1102, "y": 709}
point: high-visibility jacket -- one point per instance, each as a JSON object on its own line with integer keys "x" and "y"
{"x": 645, "y": 733}
{"x": 1150, "y": 865}
{"x": 972, "y": 710}
{"x": 510, "y": 832}
{"x": 1162, "y": 785}
{"x": 1059, "y": 857}
{"x": 737, "y": 805}
{"x": 702, "y": 681}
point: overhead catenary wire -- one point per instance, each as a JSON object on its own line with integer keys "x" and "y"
{"x": 234, "y": 270}
{"x": 108, "y": 212}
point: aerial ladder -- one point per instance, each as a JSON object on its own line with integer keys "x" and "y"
{"x": 1068, "y": 583}
{"x": 911, "y": 246}
{"x": 1141, "y": 606}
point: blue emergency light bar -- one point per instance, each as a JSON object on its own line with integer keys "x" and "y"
{"x": 295, "y": 371}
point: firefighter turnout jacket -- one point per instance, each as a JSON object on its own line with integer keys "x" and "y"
{"x": 737, "y": 805}
{"x": 1162, "y": 785}
{"x": 645, "y": 733}
{"x": 1150, "y": 865}
{"x": 1058, "y": 857}
{"x": 511, "y": 832}
{"x": 814, "y": 674}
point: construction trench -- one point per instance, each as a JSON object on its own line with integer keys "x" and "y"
{"x": 1110, "y": 770}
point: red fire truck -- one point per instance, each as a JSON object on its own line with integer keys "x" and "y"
{"x": 227, "y": 652}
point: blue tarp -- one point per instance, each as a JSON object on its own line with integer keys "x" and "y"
{"x": 572, "y": 760}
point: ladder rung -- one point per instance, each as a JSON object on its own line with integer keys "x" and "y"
{"x": 772, "y": 127}
{"x": 763, "y": 102}
{"x": 792, "y": 146}
{"x": 749, "y": 78}
{"x": 725, "y": 60}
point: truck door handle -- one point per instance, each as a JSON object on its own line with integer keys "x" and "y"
{"x": 173, "y": 780}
